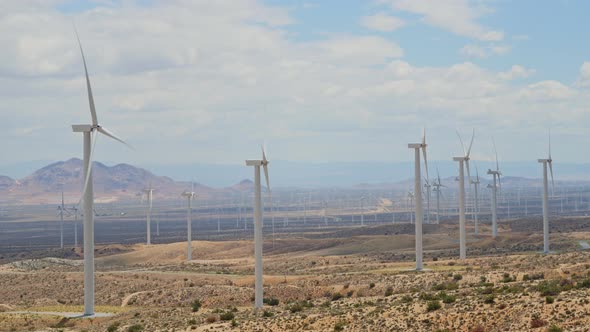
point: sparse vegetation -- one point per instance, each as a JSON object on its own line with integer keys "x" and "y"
{"x": 135, "y": 328}
{"x": 196, "y": 305}
{"x": 433, "y": 305}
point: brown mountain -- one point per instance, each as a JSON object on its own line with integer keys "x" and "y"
{"x": 111, "y": 183}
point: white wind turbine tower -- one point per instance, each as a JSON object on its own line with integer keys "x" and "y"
{"x": 496, "y": 184}
{"x": 61, "y": 224}
{"x": 428, "y": 187}
{"x": 411, "y": 202}
{"x": 546, "y": 162}
{"x": 90, "y": 132}
{"x": 476, "y": 188}
{"x": 418, "y": 195}
{"x": 190, "y": 195}
{"x": 258, "y": 283}
{"x": 149, "y": 192}
{"x": 463, "y": 162}
{"x": 437, "y": 185}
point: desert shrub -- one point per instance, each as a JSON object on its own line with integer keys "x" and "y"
{"x": 483, "y": 279}
{"x": 227, "y": 316}
{"x": 433, "y": 305}
{"x": 389, "y": 291}
{"x": 196, "y": 305}
{"x": 267, "y": 313}
{"x": 372, "y": 285}
{"x": 113, "y": 327}
{"x": 211, "y": 319}
{"x": 507, "y": 278}
{"x": 336, "y": 296}
{"x": 489, "y": 299}
{"x": 346, "y": 286}
{"x": 446, "y": 298}
{"x": 349, "y": 293}
{"x": 548, "y": 288}
{"x": 457, "y": 277}
{"x": 271, "y": 301}
{"x": 549, "y": 299}
{"x": 554, "y": 328}
{"x": 478, "y": 328}
{"x": 406, "y": 299}
{"x": 339, "y": 326}
{"x": 584, "y": 283}
{"x": 445, "y": 286}
{"x": 135, "y": 328}
{"x": 299, "y": 306}
{"x": 234, "y": 323}
{"x": 536, "y": 322}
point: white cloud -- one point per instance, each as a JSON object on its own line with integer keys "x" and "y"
{"x": 474, "y": 51}
{"x": 481, "y": 52}
{"x": 584, "y": 79}
{"x": 382, "y": 22}
{"x": 545, "y": 91}
{"x": 217, "y": 78}
{"x": 516, "y": 72}
{"x": 457, "y": 16}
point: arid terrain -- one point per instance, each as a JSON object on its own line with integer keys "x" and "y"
{"x": 361, "y": 281}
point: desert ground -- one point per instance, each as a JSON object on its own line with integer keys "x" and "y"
{"x": 353, "y": 279}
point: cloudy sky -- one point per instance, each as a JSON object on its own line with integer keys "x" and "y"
{"x": 187, "y": 81}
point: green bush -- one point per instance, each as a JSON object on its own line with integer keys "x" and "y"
{"x": 433, "y": 305}
{"x": 548, "y": 288}
{"x": 489, "y": 299}
{"x": 554, "y": 328}
{"x": 336, "y": 296}
{"x": 267, "y": 313}
{"x": 339, "y": 326}
{"x": 271, "y": 301}
{"x": 407, "y": 299}
{"x": 135, "y": 328}
{"x": 549, "y": 299}
{"x": 372, "y": 285}
{"x": 457, "y": 277}
{"x": 196, "y": 305}
{"x": 227, "y": 316}
{"x": 446, "y": 298}
{"x": 389, "y": 291}
{"x": 113, "y": 327}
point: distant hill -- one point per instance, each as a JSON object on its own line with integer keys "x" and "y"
{"x": 111, "y": 183}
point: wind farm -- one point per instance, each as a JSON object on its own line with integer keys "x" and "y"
{"x": 174, "y": 229}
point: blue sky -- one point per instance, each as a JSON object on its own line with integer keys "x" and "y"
{"x": 318, "y": 81}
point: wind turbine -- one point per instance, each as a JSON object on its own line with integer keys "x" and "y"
{"x": 418, "y": 195}
{"x": 149, "y": 192}
{"x": 90, "y": 132}
{"x": 362, "y": 210}
{"x": 190, "y": 195}
{"x": 258, "y": 284}
{"x": 428, "y": 187}
{"x": 546, "y": 162}
{"x": 496, "y": 175}
{"x": 476, "y": 187}
{"x": 437, "y": 185}
{"x": 411, "y": 202}
{"x": 61, "y": 223}
{"x": 463, "y": 162}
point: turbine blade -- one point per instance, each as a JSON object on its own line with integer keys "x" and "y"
{"x": 462, "y": 145}
{"x": 88, "y": 87}
{"x": 104, "y": 131}
{"x": 470, "y": 144}
{"x": 424, "y": 153}
{"x": 94, "y": 137}
{"x": 549, "y": 144}
{"x": 496, "y": 153}
{"x": 551, "y": 170}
